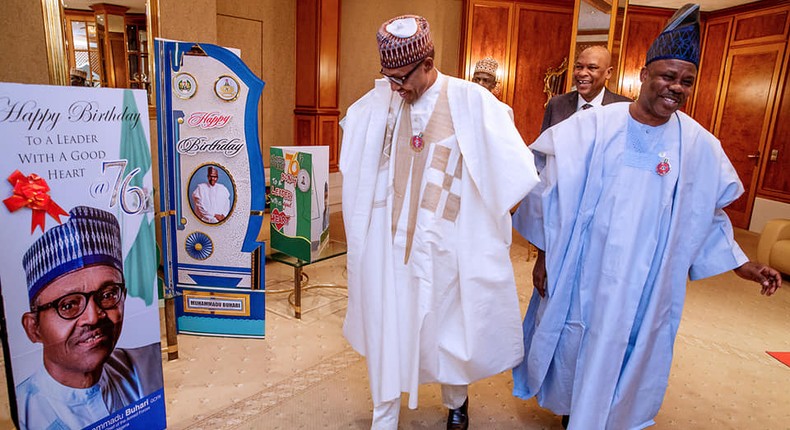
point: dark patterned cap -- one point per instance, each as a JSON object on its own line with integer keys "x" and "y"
{"x": 404, "y": 40}
{"x": 680, "y": 39}
{"x": 90, "y": 236}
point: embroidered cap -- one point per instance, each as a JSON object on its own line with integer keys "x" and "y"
{"x": 680, "y": 38}
{"x": 90, "y": 236}
{"x": 404, "y": 40}
{"x": 487, "y": 65}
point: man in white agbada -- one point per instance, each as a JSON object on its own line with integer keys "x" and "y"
{"x": 629, "y": 206}
{"x": 211, "y": 200}
{"x": 431, "y": 166}
{"x": 485, "y": 76}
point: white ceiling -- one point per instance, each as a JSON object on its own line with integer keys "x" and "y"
{"x": 704, "y": 5}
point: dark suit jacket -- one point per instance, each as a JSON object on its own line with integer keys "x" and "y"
{"x": 562, "y": 106}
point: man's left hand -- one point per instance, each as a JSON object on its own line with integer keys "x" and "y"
{"x": 769, "y": 278}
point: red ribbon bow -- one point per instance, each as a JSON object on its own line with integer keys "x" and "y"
{"x": 33, "y": 192}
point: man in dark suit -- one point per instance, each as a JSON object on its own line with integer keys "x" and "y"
{"x": 590, "y": 72}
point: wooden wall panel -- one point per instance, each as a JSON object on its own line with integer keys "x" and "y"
{"x": 761, "y": 27}
{"x": 305, "y": 129}
{"x": 642, "y": 25}
{"x": 489, "y": 35}
{"x": 307, "y": 18}
{"x": 717, "y": 35}
{"x": 329, "y": 43}
{"x": 617, "y": 46}
{"x": 328, "y": 128}
{"x": 744, "y": 116}
{"x": 317, "y": 50}
{"x": 544, "y": 39}
{"x": 775, "y": 175}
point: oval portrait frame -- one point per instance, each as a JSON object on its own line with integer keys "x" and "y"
{"x": 199, "y": 175}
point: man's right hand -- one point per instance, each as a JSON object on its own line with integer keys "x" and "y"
{"x": 539, "y": 273}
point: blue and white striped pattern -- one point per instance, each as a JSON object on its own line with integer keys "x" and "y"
{"x": 90, "y": 236}
{"x": 680, "y": 39}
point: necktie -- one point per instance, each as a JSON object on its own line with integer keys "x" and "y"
{"x": 586, "y": 106}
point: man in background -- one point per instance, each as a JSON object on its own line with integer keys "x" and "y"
{"x": 77, "y": 77}
{"x": 210, "y": 199}
{"x": 485, "y": 73}
{"x": 485, "y": 76}
{"x": 431, "y": 166}
{"x": 630, "y": 206}
{"x": 76, "y": 288}
{"x": 590, "y": 72}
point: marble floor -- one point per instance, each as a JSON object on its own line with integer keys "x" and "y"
{"x": 305, "y": 376}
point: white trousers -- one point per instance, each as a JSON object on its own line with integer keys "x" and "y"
{"x": 385, "y": 415}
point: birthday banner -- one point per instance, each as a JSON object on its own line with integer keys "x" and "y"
{"x": 212, "y": 188}
{"x": 78, "y": 274}
{"x": 299, "y": 197}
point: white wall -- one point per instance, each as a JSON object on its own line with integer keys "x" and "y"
{"x": 765, "y": 210}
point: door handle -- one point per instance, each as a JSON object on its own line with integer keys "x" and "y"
{"x": 757, "y": 155}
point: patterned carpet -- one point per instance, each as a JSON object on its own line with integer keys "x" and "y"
{"x": 304, "y": 375}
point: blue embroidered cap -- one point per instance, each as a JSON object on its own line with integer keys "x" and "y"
{"x": 680, "y": 39}
{"x": 90, "y": 236}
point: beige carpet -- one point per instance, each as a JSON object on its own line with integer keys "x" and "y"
{"x": 304, "y": 375}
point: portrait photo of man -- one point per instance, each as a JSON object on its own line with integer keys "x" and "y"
{"x": 211, "y": 200}
{"x": 77, "y": 295}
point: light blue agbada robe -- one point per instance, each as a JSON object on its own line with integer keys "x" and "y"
{"x": 128, "y": 376}
{"x": 620, "y": 243}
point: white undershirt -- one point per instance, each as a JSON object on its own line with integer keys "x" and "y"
{"x": 422, "y": 108}
{"x": 595, "y": 102}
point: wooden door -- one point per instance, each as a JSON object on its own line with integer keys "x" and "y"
{"x": 743, "y": 116}
{"x": 714, "y": 54}
{"x": 543, "y": 40}
{"x": 642, "y": 25}
{"x": 775, "y": 174}
{"x": 526, "y": 37}
{"x": 488, "y": 25}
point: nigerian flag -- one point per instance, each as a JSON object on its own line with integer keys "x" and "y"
{"x": 139, "y": 266}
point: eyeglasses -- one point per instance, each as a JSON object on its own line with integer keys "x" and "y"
{"x": 401, "y": 80}
{"x": 73, "y": 305}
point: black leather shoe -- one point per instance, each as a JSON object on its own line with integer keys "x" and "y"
{"x": 565, "y": 419}
{"x": 458, "y": 419}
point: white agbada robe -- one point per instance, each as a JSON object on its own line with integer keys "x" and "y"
{"x": 620, "y": 242}
{"x": 210, "y": 201}
{"x": 449, "y": 314}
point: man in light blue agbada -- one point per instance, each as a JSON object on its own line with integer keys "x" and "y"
{"x": 76, "y": 288}
{"x": 629, "y": 206}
